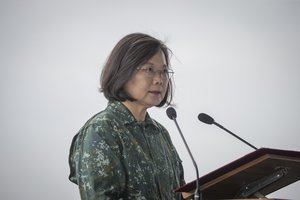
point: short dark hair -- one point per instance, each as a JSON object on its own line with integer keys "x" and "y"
{"x": 129, "y": 53}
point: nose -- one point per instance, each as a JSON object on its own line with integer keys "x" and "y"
{"x": 158, "y": 77}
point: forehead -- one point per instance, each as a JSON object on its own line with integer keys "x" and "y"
{"x": 158, "y": 60}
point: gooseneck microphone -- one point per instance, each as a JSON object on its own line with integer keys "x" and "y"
{"x": 171, "y": 112}
{"x": 209, "y": 120}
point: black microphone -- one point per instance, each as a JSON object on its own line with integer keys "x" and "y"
{"x": 209, "y": 120}
{"x": 171, "y": 112}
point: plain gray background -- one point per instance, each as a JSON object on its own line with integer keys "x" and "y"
{"x": 237, "y": 60}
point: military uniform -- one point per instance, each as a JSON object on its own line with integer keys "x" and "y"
{"x": 115, "y": 157}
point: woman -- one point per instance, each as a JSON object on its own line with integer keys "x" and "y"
{"x": 121, "y": 152}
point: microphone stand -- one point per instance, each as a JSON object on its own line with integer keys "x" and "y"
{"x": 228, "y": 131}
{"x": 197, "y": 194}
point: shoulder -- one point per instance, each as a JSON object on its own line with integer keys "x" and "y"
{"x": 103, "y": 118}
{"x": 100, "y": 126}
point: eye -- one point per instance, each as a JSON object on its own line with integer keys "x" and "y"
{"x": 149, "y": 70}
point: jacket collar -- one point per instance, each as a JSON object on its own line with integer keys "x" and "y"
{"x": 124, "y": 115}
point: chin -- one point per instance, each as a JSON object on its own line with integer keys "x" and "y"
{"x": 157, "y": 104}
{"x": 153, "y": 104}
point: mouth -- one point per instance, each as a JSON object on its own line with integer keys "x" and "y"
{"x": 155, "y": 92}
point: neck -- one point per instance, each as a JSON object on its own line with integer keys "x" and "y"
{"x": 139, "y": 112}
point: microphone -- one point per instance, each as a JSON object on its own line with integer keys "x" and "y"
{"x": 209, "y": 120}
{"x": 171, "y": 112}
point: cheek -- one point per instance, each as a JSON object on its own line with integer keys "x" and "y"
{"x": 136, "y": 88}
{"x": 165, "y": 87}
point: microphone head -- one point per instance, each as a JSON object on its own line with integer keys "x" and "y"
{"x": 205, "y": 118}
{"x": 171, "y": 112}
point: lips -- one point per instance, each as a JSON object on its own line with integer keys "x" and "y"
{"x": 156, "y": 92}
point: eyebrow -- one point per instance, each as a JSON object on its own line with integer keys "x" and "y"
{"x": 150, "y": 63}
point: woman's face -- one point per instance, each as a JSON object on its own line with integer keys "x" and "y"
{"x": 148, "y": 84}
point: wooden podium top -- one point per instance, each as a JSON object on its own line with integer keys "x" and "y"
{"x": 249, "y": 170}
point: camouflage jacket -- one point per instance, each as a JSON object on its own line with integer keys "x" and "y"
{"x": 115, "y": 157}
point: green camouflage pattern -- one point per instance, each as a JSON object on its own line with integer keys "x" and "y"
{"x": 115, "y": 157}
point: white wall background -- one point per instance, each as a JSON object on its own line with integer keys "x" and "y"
{"x": 237, "y": 60}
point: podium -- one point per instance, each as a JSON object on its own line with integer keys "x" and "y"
{"x": 252, "y": 176}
